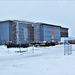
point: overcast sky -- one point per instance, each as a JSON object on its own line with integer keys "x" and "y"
{"x": 57, "y": 12}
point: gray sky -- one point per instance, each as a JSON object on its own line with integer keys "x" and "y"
{"x": 50, "y": 11}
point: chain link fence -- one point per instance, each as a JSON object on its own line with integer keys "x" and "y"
{"x": 67, "y": 48}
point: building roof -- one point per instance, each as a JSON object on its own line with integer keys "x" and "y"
{"x": 15, "y": 21}
{"x": 32, "y": 23}
{"x": 64, "y": 28}
{"x": 47, "y": 24}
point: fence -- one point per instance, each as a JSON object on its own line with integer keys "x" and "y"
{"x": 67, "y": 48}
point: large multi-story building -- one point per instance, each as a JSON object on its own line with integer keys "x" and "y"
{"x": 20, "y": 32}
{"x": 15, "y": 31}
{"x": 46, "y": 32}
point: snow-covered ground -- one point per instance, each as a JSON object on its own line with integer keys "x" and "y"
{"x": 37, "y": 61}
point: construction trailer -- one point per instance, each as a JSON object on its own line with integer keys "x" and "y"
{"x": 21, "y": 32}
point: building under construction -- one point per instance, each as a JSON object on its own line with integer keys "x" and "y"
{"x": 21, "y": 32}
